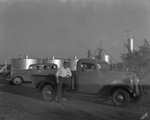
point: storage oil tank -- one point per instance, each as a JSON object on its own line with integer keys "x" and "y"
{"x": 58, "y": 62}
{"x": 130, "y": 45}
{"x": 23, "y": 64}
{"x": 107, "y": 58}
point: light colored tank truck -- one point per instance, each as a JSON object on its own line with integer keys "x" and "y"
{"x": 93, "y": 77}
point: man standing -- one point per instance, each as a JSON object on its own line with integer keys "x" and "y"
{"x": 63, "y": 75}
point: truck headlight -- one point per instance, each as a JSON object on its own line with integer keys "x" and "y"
{"x": 131, "y": 79}
{"x": 137, "y": 79}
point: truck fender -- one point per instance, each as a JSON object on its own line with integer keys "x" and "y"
{"x": 17, "y": 75}
{"x": 41, "y": 84}
{"x": 107, "y": 91}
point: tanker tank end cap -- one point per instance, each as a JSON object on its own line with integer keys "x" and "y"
{"x": 75, "y": 57}
{"x": 26, "y": 57}
{"x": 53, "y": 57}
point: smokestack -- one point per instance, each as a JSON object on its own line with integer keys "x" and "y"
{"x": 128, "y": 37}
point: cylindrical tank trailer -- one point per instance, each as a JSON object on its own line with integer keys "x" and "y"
{"x": 60, "y": 62}
{"x": 23, "y": 63}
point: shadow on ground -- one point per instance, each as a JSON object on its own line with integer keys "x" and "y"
{"x": 20, "y": 90}
{"x": 28, "y": 91}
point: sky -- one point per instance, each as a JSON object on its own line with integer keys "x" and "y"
{"x": 67, "y": 28}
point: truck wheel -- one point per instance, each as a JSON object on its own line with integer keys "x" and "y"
{"x": 120, "y": 97}
{"x": 17, "y": 80}
{"x": 48, "y": 93}
{"x": 136, "y": 99}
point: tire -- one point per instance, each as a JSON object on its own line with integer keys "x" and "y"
{"x": 120, "y": 98}
{"x": 136, "y": 99}
{"x": 17, "y": 80}
{"x": 48, "y": 93}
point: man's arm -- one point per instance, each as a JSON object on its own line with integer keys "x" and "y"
{"x": 69, "y": 71}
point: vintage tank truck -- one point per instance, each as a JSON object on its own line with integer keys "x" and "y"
{"x": 21, "y": 70}
{"x": 93, "y": 77}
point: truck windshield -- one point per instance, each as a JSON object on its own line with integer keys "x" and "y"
{"x": 103, "y": 66}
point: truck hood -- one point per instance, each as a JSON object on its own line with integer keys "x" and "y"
{"x": 116, "y": 76}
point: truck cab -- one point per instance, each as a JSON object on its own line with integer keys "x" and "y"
{"x": 93, "y": 77}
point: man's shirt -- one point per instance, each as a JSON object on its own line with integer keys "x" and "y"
{"x": 63, "y": 72}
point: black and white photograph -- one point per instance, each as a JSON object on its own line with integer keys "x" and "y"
{"x": 74, "y": 59}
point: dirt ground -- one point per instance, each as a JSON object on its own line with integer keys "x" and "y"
{"x": 25, "y": 103}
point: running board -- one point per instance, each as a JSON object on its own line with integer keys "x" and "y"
{"x": 79, "y": 94}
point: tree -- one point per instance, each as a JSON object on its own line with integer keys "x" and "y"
{"x": 98, "y": 52}
{"x": 138, "y": 60}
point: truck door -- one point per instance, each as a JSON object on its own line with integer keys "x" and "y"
{"x": 28, "y": 73}
{"x": 87, "y": 78}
